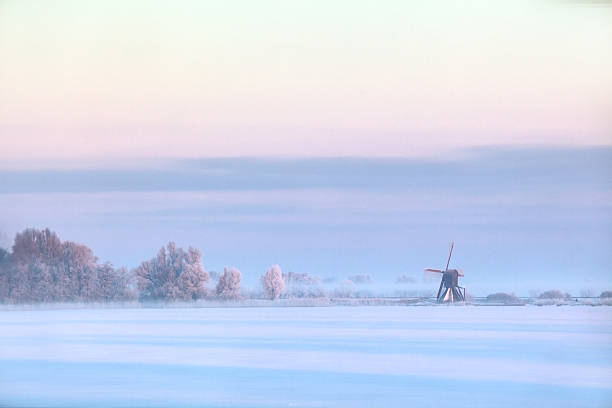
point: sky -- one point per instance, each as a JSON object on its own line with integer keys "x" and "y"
{"x": 107, "y": 79}
{"x": 331, "y": 137}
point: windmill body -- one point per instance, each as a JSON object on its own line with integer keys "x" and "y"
{"x": 449, "y": 290}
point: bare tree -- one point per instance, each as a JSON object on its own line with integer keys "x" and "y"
{"x": 228, "y": 286}
{"x": 273, "y": 282}
{"x": 587, "y": 293}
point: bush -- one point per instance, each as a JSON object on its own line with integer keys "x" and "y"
{"x": 554, "y": 294}
{"x": 361, "y": 279}
{"x": 500, "y": 297}
{"x": 406, "y": 279}
{"x": 606, "y": 294}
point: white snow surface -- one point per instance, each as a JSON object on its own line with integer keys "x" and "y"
{"x": 308, "y": 357}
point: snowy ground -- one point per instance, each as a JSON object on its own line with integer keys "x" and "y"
{"x": 308, "y": 357}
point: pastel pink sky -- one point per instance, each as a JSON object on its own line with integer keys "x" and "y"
{"x": 110, "y": 79}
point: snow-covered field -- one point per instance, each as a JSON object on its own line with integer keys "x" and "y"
{"x": 308, "y": 357}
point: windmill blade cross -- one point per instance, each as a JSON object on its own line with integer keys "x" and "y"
{"x": 433, "y": 270}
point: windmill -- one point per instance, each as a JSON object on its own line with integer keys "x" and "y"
{"x": 449, "y": 291}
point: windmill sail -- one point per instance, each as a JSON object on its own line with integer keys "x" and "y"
{"x": 449, "y": 255}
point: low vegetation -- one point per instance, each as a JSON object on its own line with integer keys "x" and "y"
{"x": 505, "y": 298}
{"x": 361, "y": 279}
{"x": 303, "y": 285}
{"x": 405, "y": 279}
{"x": 555, "y": 295}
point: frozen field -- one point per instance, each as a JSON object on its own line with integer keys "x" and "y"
{"x": 308, "y": 357}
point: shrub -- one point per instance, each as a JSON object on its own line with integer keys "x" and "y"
{"x": 554, "y": 294}
{"x": 405, "y": 279}
{"x": 500, "y": 297}
{"x": 361, "y": 278}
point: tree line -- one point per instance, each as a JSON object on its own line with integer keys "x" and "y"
{"x": 42, "y": 268}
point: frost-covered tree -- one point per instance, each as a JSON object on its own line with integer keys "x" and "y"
{"x": 346, "y": 289}
{"x": 194, "y": 277}
{"x": 5, "y": 274}
{"x": 361, "y": 278}
{"x": 554, "y": 294}
{"x": 36, "y": 259}
{"x": 174, "y": 274}
{"x": 42, "y": 268}
{"x": 228, "y": 286}
{"x": 34, "y": 245}
{"x": 301, "y": 285}
{"x": 113, "y": 284}
{"x": 273, "y": 282}
{"x": 34, "y": 255}
{"x": 76, "y": 275}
